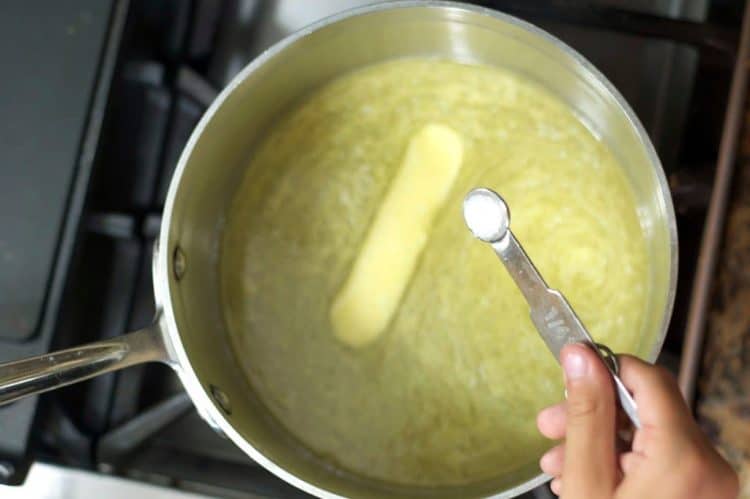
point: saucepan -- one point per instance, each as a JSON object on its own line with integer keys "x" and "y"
{"x": 189, "y": 332}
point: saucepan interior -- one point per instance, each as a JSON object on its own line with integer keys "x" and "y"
{"x": 217, "y": 156}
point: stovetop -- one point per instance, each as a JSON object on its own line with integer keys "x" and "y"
{"x": 96, "y": 113}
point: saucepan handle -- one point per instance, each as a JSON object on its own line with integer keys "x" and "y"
{"x": 35, "y": 375}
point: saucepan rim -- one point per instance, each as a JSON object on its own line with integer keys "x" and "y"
{"x": 162, "y": 277}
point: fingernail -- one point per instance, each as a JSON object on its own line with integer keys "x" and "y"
{"x": 575, "y": 365}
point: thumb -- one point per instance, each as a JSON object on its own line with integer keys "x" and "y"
{"x": 590, "y": 469}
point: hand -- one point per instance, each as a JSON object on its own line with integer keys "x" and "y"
{"x": 669, "y": 457}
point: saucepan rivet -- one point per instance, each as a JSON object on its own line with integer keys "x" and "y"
{"x": 221, "y": 398}
{"x": 178, "y": 263}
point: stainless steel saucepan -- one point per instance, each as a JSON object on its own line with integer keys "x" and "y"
{"x": 189, "y": 332}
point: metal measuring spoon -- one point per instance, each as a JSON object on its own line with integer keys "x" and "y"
{"x": 488, "y": 218}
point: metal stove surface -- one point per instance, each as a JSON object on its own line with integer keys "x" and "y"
{"x": 55, "y": 83}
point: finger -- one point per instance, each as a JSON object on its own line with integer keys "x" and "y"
{"x": 590, "y": 467}
{"x": 551, "y": 462}
{"x": 551, "y": 421}
{"x": 556, "y": 486}
{"x": 655, "y": 390}
{"x": 630, "y": 461}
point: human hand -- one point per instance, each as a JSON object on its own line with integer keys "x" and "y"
{"x": 669, "y": 457}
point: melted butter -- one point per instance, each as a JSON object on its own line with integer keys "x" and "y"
{"x": 448, "y": 394}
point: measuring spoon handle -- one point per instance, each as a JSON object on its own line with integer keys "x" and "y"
{"x": 552, "y": 315}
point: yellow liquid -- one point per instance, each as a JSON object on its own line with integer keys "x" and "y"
{"x": 448, "y": 394}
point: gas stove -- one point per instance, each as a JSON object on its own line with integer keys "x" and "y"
{"x": 96, "y": 113}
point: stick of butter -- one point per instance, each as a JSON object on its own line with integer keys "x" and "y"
{"x": 372, "y": 292}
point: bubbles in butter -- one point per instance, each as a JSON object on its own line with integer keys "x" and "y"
{"x": 448, "y": 394}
